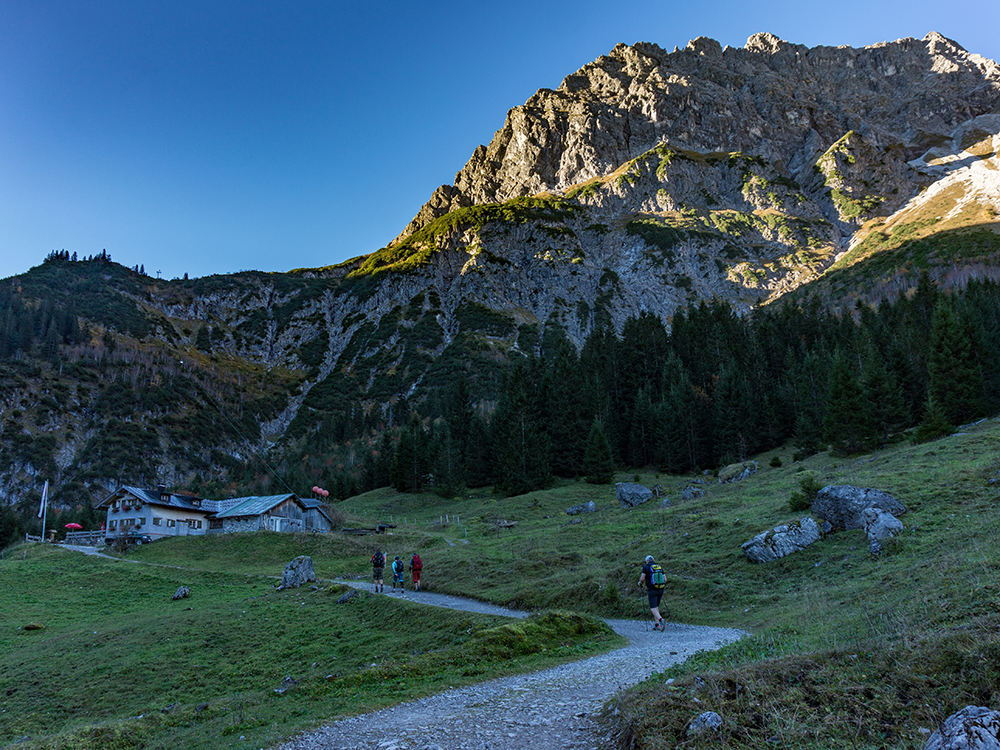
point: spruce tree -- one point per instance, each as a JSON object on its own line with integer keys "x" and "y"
{"x": 410, "y": 461}
{"x": 955, "y": 382}
{"x": 520, "y": 444}
{"x": 847, "y": 425}
{"x": 598, "y": 466}
{"x": 935, "y": 424}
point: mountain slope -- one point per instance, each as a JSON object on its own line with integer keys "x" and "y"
{"x": 647, "y": 183}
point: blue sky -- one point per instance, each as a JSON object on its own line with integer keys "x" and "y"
{"x": 211, "y": 137}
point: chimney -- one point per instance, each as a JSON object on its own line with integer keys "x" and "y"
{"x": 161, "y": 490}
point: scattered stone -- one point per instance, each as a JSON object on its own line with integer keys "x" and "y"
{"x": 972, "y": 728}
{"x": 708, "y": 721}
{"x": 298, "y": 572}
{"x": 182, "y": 593}
{"x": 690, "y": 493}
{"x": 781, "y": 540}
{"x": 842, "y": 505}
{"x": 666, "y": 503}
{"x": 737, "y": 472}
{"x": 34, "y": 626}
{"x": 353, "y": 593}
{"x": 590, "y": 507}
{"x": 286, "y": 684}
{"x": 630, "y": 495}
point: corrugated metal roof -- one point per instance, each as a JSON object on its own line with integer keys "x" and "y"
{"x": 153, "y": 497}
{"x": 254, "y": 505}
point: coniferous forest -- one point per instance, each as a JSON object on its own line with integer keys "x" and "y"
{"x": 715, "y": 389}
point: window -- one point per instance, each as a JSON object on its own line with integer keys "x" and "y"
{"x": 112, "y": 524}
{"x": 171, "y": 522}
{"x": 193, "y": 524}
{"x": 140, "y": 521}
{"x": 157, "y": 521}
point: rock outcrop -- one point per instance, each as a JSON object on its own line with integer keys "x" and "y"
{"x": 298, "y": 572}
{"x": 972, "y": 728}
{"x": 629, "y": 495}
{"x": 781, "y": 540}
{"x": 879, "y": 525}
{"x": 843, "y": 505}
{"x": 784, "y": 102}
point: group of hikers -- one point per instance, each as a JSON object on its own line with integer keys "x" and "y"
{"x": 399, "y": 568}
{"x": 652, "y": 577}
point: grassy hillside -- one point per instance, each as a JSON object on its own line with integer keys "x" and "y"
{"x": 95, "y": 654}
{"x": 847, "y": 650}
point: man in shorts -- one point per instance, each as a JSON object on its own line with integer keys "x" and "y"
{"x": 653, "y": 593}
{"x": 416, "y": 566}
{"x": 378, "y": 566}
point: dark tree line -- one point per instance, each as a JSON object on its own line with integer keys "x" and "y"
{"x": 717, "y": 388}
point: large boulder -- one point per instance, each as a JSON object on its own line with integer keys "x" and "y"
{"x": 842, "y": 505}
{"x": 781, "y": 540}
{"x": 972, "y": 728}
{"x": 297, "y": 572}
{"x": 631, "y": 495}
{"x": 879, "y": 525}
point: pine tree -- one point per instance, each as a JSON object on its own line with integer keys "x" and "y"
{"x": 564, "y": 408}
{"x": 520, "y": 445}
{"x": 598, "y": 466}
{"x": 847, "y": 426}
{"x": 934, "y": 425}
{"x": 955, "y": 383}
{"x": 410, "y": 465}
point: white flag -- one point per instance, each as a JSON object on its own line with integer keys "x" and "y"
{"x": 45, "y": 495}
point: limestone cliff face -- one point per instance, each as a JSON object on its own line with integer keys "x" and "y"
{"x": 783, "y": 102}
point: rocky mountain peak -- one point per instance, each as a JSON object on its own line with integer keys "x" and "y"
{"x": 784, "y": 102}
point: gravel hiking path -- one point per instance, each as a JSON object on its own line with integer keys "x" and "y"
{"x": 548, "y": 710}
{"x": 552, "y": 709}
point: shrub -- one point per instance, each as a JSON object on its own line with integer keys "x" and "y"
{"x": 802, "y": 499}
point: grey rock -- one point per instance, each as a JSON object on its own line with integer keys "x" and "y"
{"x": 630, "y": 495}
{"x": 348, "y": 596}
{"x": 879, "y": 525}
{"x": 666, "y": 503}
{"x": 737, "y": 472}
{"x": 737, "y": 99}
{"x": 690, "y": 493}
{"x": 842, "y": 505}
{"x": 781, "y": 540}
{"x": 972, "y": 728}
{"x": 590, "y": 507}
{"x": 708, "y": 721}
{"x": 182, "y": 593}
{"x": 298, "y": 572}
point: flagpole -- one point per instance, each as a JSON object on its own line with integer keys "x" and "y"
{"x": 45, "y": 506}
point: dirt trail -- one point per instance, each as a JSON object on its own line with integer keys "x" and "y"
{"x": 548, "y": 710}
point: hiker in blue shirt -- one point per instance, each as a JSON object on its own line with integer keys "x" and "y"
{"x": 655, "y": 581}
{"x": 398, "y": 570}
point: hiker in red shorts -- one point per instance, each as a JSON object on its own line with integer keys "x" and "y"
{"x": 416, "y": 565}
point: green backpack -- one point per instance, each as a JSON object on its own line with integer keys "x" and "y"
{"x": 657, "y": 579}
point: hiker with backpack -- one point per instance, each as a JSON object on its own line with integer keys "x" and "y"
{"x": 378, "y": 566}
{"x": 655, "y": 580}
{"x": 398, "y": 572}
{"x": 416, "y": 565}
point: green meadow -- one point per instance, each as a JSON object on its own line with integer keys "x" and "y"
{"x": 846, "y": 650}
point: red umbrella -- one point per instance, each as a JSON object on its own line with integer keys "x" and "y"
{"x": 73, "y": 526}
